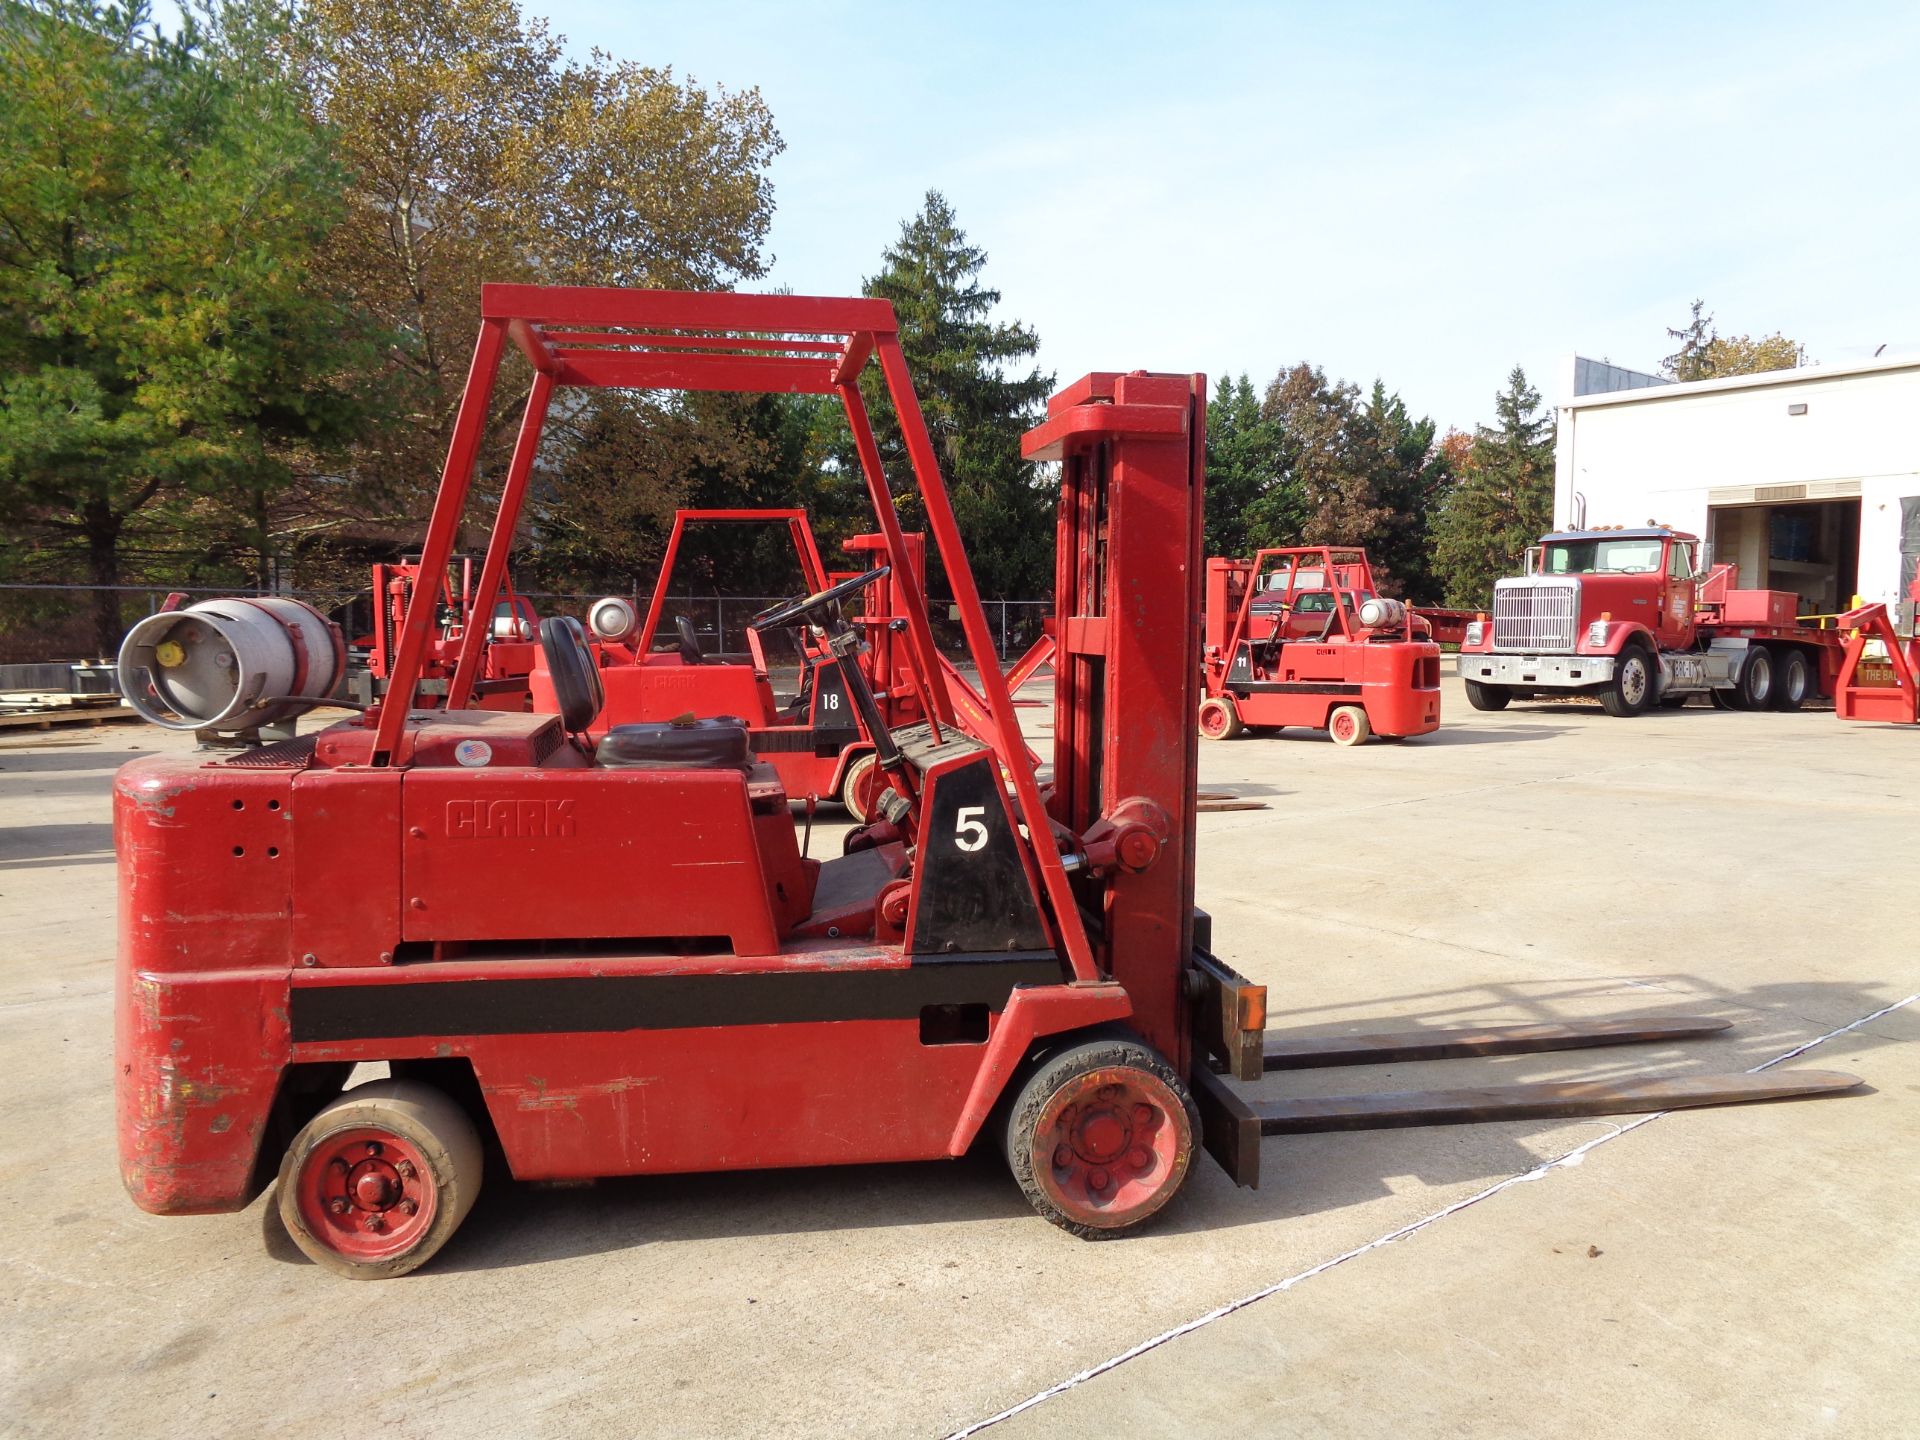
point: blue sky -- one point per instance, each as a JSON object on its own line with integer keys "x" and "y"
{"x": 1389, "y": 190}
{"x": 1398, "y": 191}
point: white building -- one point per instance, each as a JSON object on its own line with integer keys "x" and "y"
{"x": 1808, "y": 479}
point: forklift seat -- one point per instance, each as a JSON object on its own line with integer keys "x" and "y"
{"x": 576, "y": 678}
{"x": 719, "y": 743}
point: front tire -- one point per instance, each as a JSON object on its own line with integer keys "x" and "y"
{"x": 1793, "y": 680}
{"x": 1101, "y": 1136}
{"x": 380, "y": 1179}
{"x": 1487, "y": 697}
{"x": 1631, "y": 689}
{"x": 1220, "y": 718}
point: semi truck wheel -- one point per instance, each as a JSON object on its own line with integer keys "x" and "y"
{"x": 1220, "y": 719}
{"x": 1755, "y": 687}
{"x": 1101, "y": 1136}
{"x": 1630, "y": 691}
{"x": 374, "y": 1184}
{"x": 1792, "y": 680}
{"x": 860, "y": 788}
{"x": 1348, "y": 724}
{"x": 1487, "y": 697}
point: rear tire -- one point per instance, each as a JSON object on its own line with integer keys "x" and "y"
{"x": 1487, "y": 697}
{"x": 378, "y": 1181}
{"x": 1101, "y": 1136}
{"x": 1756, "y": 685}
{"x": 1792, "y": 681}
{"x": 1220, "y": 718}
{"x": 1631, "y": 689}
{"x": 1348, "y": 725}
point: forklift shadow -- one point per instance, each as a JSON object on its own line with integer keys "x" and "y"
{"x": 34, "y": 847}
{"x": 1448, "y": 735}
{"x": 514, "y": 1225}
{"x": 46, "y": 755}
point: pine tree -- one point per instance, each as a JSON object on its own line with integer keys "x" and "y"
{"x": 1408, "y": 476}
{"x": 1502, "y": 502}
{"x": 1247, "y": 478}
{"x": 958, "y": 358}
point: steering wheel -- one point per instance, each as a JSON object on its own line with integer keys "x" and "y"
{"x": 787, "y": 612}
{"x": 690, "y": 651}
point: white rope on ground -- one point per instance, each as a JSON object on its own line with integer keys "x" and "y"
{"x": 1572, "y": 1158}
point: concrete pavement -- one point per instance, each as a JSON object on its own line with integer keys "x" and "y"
{"x": 1755, "y": 1271}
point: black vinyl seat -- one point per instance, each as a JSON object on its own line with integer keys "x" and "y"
{"x": 719, "y": 743}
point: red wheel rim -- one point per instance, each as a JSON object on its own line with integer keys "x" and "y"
{"x": 1343, "y": 726}
{"x": 1213, "y": 720}
{"x": 367, "y": 1194}
{"x": 1111, "y": 1146}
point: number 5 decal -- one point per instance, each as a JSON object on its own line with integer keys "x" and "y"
{"x": 968, "y": 833}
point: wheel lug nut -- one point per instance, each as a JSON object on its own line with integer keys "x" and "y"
{"x": 1142, "y": 1114}
{"x": 374, "y": 1222}
{"x": 1099, "y": 1180}
{"x": 1062, "y": 1157}
{"x": 409, "y": 1206}
{"x": 337, "y": 1205}
{"x": 373, "y": 1147}
{"x": 337, "y": 1165}
{"x": 404, "y": 1169}
{"x": 1137, "y": 1158}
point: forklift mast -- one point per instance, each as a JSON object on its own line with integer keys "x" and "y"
{"x": 1127, "y": 607}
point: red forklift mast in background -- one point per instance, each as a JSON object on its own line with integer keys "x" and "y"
{"x": 508, "y": 634}
{"x": 1299, "y": 636}
{"x": 607, "y": 954}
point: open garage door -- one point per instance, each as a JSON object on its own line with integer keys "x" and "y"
{"x": 1811, "y": 548}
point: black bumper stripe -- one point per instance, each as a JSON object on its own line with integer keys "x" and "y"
{"x": 588, "y": 1003}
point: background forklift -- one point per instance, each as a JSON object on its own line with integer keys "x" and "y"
{"x": 1299, "y": 636}
{"x": 608, "y": 954}
{"x": 810, "y": 731}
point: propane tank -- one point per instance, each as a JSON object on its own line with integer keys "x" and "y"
{"x": 613, "y": 619}
{"x": 232, "y": 664}
{"x": 1382, "y": 612}
{"x": 511, "y": 627}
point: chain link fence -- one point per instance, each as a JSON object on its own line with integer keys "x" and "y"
{"x": 47, "y": 623}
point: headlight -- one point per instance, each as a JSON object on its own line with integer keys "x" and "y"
{"x": 1476, "y": 632}
{"x": 1597, "y": 633}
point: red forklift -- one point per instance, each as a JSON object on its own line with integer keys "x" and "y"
{"x": 508, "y": 635}
{"x": 1298, "y": 635}
{"x": 590, "y": 953}
{"x": 811, "y": 733}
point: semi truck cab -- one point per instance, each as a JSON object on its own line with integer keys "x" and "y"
{"x": 1635, "y": 617}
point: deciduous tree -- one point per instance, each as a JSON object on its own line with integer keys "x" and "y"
{"x": 1705, "y": 354}
{"x": 165, "y": 350}
{"x": 480, "y": 153}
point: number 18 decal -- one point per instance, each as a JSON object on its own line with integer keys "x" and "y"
{"x": 968, "y": 833}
